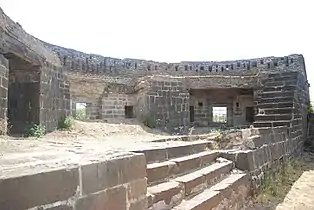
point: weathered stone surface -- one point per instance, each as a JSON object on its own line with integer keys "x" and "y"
{"x": 42, "y": 188}
{"x": 159, "y": 171}
{"x": 154, "y": 155}
{"x": 137, "y": 188}
{"x": 102, "y": 175}
{"x": 61, "y": 207}
{"x": 111, "y": 198}
{"x": 206, "y": 200}
{"x": 169, "y": 192}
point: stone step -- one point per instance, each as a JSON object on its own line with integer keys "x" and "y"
{"x": 285, "y": 110}
{"x": 276, "y": 100}
{"x": 271, "y": 82}
{"x": 275, "y": 105}
{"x": 274, "y": 94}
{"x": 282, "y": 88}
{"x": 197, "y": 181}
{"x": 173, "y": 191}
{"x": 273, "y": 117}
{"x": 283, "y": 75}
{"x": 233, "y": 190}
{"x": 159, "y": 154}
{"x": 259, "y": 124}
{"x": 167, "y": 194}
{"x": 159, "y": 171}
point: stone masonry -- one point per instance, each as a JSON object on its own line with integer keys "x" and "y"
{"x": 34, "y": 88}
{"x": 110, "y": 182}
{"x": 170, "y": 96}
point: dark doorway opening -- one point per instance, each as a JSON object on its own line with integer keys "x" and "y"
{"x": 23, "y": 95}
{"x": 249, "y": 114}
{"x": 191, "y": 114}
{"x": 128, "y": 112}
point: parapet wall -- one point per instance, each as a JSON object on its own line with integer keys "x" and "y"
{"x": 100, "y": 182}
{"x": 95, "y": 64}
{"x": 267, "y": 149}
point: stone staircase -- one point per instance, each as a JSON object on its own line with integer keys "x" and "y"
{"x": 190, "y": 177}
{"x": 276, "y": 102}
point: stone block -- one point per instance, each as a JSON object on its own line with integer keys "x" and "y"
{"x": 169, "y": 192}
{"x": 258, "y": 141}
{"x": 137, "y": 188}
{"x": 108, "y": 173}
{"x": 179, "y": 151}
{"x": 245, "y": 160}
{"x": 199, "y": 147}
{"x": 140, "y": 204}
{"x": 112, "y": 198}
{"x": 228, "y": 155}
{"x": 28, "y": 191}
{"x": 154, "y": 155}
{"x": 206, "y": 200}
{"x": 193, "y": 183}
{"x": 159, "y": 171}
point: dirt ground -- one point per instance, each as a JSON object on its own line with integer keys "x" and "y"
{"x": 85, "y": 141}
{"x": 110, "y": 133}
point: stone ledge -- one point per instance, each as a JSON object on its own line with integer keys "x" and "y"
{"x": 87, "y": 182}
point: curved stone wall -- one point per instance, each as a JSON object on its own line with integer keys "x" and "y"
{"x": 95, "y": 64}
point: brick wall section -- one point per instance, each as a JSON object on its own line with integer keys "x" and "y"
{"x": 117, "y": 183}
{"x": 4, "y": 75}
{"x": 168, "y": 103}
{"x": 113, "y": 105}
{"x": 55, "y": 96}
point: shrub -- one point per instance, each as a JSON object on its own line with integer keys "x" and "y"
{"x": 66, "y": 123}
{"x": 81, "y": 114}
{"x": 35, "y": 131}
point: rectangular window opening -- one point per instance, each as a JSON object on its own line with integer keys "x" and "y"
{"x": 220, "y": 114}
{"x": 128, "y": 112}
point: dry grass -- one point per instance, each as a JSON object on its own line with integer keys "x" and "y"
{"x": 276, "y": 187}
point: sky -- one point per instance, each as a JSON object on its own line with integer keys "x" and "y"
{"x": 173, "y": 30}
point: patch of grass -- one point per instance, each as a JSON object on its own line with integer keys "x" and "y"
{"x": 35, "y": 131}
{"x": 66, "y": 123}
{"x": 276, "y": 186}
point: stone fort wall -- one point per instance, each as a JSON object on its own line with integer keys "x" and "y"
{"x": 26, "y": 100}
{"x": 95, "y": 64}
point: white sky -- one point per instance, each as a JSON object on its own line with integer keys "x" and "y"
{"x": 173, "y": 30}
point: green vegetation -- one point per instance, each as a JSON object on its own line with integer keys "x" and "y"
{"x": 81, "y": 114}
{"x": 66, "y": 123}
{"x": 310, "y": 109}
{"x": 276, "y": 186}
{"x": 35, "y": 131}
